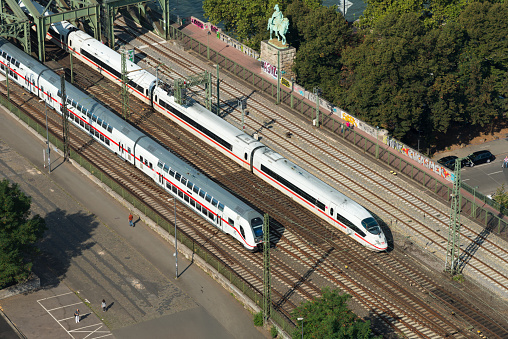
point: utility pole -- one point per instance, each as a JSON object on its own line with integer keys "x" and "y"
{"x": 267, "y": 300}
{"x": 176, "y": 245}
{"x": 452, "y": 264}
{"x": 7, "y": 81}
{"x": 316, "y": 93}
{"x": 125, "y": 92}
{"x": 218, "y": 90}
{"x": 278, "y": 77}
{"x": 65, "y": 120}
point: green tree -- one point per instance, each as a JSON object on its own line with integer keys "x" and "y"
{"x": 501, "y": 196}
{"x": 328, "y": 316}
{"x": 247, "y": 20}
{"x": 18, "y": 234}
{"x": 322, "y": 34}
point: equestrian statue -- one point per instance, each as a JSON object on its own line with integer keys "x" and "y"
{"x": 278, "y": 24}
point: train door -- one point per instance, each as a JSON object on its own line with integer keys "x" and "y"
{"x": 161, "y": 179}
{"x": 32, "y": 84}
{"x": 332, "y": 210}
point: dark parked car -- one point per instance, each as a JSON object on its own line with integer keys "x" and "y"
{"x": 480, "y": 157}
{"x": 448, "y": 161}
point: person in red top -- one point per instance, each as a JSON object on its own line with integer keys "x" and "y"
{"x": 130, "y": 220}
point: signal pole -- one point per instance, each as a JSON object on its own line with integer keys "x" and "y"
{"x": 65, "y": 120}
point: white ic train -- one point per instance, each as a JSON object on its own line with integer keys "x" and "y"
{"x": 194, "y": 189}
{"x": 310, "y": 192}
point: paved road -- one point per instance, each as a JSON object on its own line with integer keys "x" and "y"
{"x": 90, "y": 253}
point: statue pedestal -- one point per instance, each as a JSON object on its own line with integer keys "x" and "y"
{"x": 269, "y": 51}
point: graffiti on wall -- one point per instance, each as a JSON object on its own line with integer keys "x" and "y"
{"x": 348, "y": 118}
{"x": 197, "y": 22}
{"x": 285, "y": 82}
{"x": 420, "y": 159}
{"x": 272, "y": 70}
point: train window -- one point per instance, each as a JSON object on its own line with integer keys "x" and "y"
{"x": 80, "y": 108}
{"x": 245, "y": 156}
{"x": 184, "y": 181}
{"x": 101, "y": 137}
{"x": 4, "y": 54}
{"x": 171, "y": 172}
{"x": 331, "y": 212}
{"x": 99, "y": 121}
{"x": 156, "y": 99}
{"x": 107, "y": 141}
{"x": 202, "y": 194}
{"x": 3, "y": 67}
{"x": 204, "y": 211}
{"x": 110, "y": 129}
{"x": 175, "y": 190}
{"x": 195, "y": 189}
{"x": 94, "y": 118}
{"x": 74, "y": 104}
{"x": 186, "y": 198}
{"x": 59, "y": 94}
{"x": 9, "y": 58}
{"x": 177, "y": 176}
{"x": 141, "y": 158}
{"x": 198, "y": 207}
{"x": 70, "y": 42}
{"x": 221, "y": 207}
{"x": 193, "y": 203}
{"x": 189, "y": 184}
{"x": 242, "y": 231}
{"x": 208, "y": 198}
{"x": 231, "y": 222}
{"x": 214, "y": 202}
{"x": 104, "y": 125}
{"x": 166, "y": 168}
{"x": 87, "y": 127}
{"x": 150, "y": 165}
{"x": 82, "y": 123}
{"x": 159, "y": 164}
{"x": 97, "y": 133}
{"x": 211, "y": 216}
{"x": 180, "y": 194}
{"x": 349, "y": 224}
{"x": 17, "y": 64}
{"x": 168, "y": 185}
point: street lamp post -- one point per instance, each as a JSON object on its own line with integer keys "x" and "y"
{"x": 208, "y": 45}
{"x": 176, "y": 245}
{"x": 377, "y": 142}
{"x": 474, "y": 201}
{"x": 278, "y": 77}
{"x": 47, "y": 134}
{"x": 301, "y": 319}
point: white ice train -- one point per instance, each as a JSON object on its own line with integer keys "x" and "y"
{"x": 310, "y": 192}
{"x": 194, "y": 189}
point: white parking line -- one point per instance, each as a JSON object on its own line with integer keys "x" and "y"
{"x": 495, "y": 172}
{"x": 55, "y": 296}
{"x": 56, "y": 308}
{"x": 39, "y": 301}
{"x": 95, "y": 329}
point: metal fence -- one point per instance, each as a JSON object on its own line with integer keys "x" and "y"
{"x": 473, "y": 208}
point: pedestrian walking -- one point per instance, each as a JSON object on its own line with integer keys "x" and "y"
{"x": 103, "y": 305}
{"x": 505, "y": 165}
{"x": 130, "y": 220}
{"x": 76, "y": 315}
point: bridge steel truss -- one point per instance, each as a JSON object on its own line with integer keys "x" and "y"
{"x": 17, "y": 26}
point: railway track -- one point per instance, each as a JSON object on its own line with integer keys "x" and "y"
{"x": 299, "y": 234}
{"x": 398, "y": 190}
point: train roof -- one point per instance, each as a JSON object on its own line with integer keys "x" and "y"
{"x": 295, "y": 173}
{"x": 193, "y": 175}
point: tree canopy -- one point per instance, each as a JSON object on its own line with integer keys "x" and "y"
{"x": 18, "y": 234}
{"x": 328, "y": 316}
{"x": 408, "y": 66}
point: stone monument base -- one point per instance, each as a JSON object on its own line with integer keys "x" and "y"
{"x": 273, "y": 49}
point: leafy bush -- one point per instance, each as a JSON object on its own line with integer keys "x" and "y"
{"x": 258, "y": 319}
